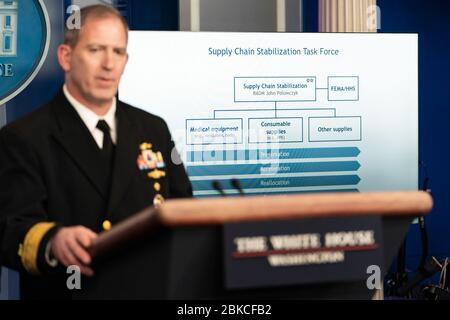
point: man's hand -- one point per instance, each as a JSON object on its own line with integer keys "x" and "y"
{"x": 69, "y": 247}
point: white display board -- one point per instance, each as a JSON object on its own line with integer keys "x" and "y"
{"x": 283, "y": 112}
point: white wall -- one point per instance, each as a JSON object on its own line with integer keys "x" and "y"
{"x": 241, "y": 15}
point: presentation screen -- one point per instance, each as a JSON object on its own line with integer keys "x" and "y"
{"x": 283, "y": 112}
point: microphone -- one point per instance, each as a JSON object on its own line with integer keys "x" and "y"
{"x": 237, "y": 185}
{"x": 218, "y": 187}
{"x": 422, "y": 226}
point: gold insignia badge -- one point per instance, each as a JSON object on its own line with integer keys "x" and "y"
{"x": 145, "y": 146}
{"x": 107, "y": 225}
{"x": 156, "y": 174}
{"x": 148, "y": 159}
{"x": 152, "y": 163}
{"x": 158, "y": 200}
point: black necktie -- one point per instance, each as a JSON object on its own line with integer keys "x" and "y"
{"x": 108, "y": 146}
{"x": 107, "y": 154}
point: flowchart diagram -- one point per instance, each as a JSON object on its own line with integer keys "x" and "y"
{"x": 251, "y": 143}
{"x": 271, "y": 111}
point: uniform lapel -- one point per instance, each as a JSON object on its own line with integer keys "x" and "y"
{"x": 77, "y": 141}
{"x": 127, "y": 150}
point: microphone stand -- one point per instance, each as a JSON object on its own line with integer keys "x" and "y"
{"x": 218, "y": 187}
{"x": 234, "y": 182}
{"x": 237, "y": 185}
{"x": 426, "y": 267}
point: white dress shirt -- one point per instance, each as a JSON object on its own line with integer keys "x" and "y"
{"x": 90, "y": 118}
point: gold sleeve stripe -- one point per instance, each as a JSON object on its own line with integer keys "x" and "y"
{"x": 30, "y": 247}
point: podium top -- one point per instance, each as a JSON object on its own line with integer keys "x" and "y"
{"x": 226, "y": 210}
{"x": 198, "y": 212}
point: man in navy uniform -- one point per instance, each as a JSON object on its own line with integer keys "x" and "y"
{"x": 82, "y": 163}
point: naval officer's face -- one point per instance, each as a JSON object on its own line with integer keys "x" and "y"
{"x": 96, "y": 63}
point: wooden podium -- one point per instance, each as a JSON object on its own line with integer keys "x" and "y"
{"x": 175, "y": 251}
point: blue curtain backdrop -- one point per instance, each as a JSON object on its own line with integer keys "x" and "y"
{"x": 152, "y": 15}
{"x": 310, "y": 16}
